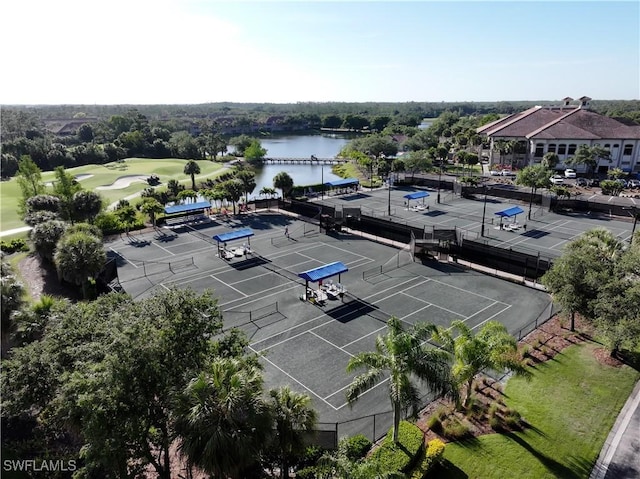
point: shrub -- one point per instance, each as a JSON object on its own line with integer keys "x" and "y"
{"x": 107, "y": 222}
{"x": 512, "y": 419}
{"x": 432, "y": 456}
{"x": 401, "y": 457}
{"x": 435, "y": 423}
{"x": 455, "y": 429}
{"x": 355, "y": 447}
{"x": 17, "y": 244}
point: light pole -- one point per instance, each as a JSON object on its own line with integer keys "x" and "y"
{"x": 389, "y": 184}
{"x": 439, "y": 182}
{"x": 484, "y": 211}
{"x": 322, "y": 181}
{"x": 634, "y": 213}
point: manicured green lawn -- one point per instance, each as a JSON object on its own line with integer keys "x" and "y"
{"x": 104, "y": 175}
{"x": 571, "y": 403}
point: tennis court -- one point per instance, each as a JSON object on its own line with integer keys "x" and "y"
{"x": 307, "y": 345}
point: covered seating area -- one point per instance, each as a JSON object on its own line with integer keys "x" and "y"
{"x": 347, "y": 185}
{"x": 227, "y": 253}
{"x": 416, "y": 196}
{"x": 189, "y": 213}
{"x": 512, "y": 212}
{"x": 326, "y": 289}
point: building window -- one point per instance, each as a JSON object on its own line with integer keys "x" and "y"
{"x": 572, "y": 149}
{"x": 607, "y": 146}
{"x": 562, "y": 149}
{"x": 551, "y": 148}
{"x": 616, "y": 146}
{"x": 539, "y": 151}
{"x": 628, "y": 150}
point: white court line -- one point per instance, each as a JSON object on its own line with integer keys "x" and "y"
{"x": 162, "y": 248}
{"x": 262, "y": 296}
{"x": 329, "y": 342}
{"x": 227, "y": 284}
{"x": 123, "y": 257}
{"x": 463, "y": 290}
{"x": 330, "y": 320}
{"x": 293, "y": 379}
{"x": 431, "y": 304}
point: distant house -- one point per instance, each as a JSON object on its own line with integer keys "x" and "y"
{"x": 561, "y": 129}
{"x": 67, "y": 126}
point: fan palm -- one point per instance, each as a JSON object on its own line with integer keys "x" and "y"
{"x": 222, "y": 421}
{"x": 293, "y": 417}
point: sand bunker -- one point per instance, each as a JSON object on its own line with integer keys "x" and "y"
{"x": 77, "y": 178}
{"x": 123, "y": 182}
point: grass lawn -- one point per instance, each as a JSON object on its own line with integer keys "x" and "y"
{"x": 104, "y": 175}
{"x": 571, "y": 404}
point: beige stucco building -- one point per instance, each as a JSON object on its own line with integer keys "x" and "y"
{"x": 561, "y": 129}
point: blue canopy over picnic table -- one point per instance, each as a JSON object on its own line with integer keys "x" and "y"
{"x": 187, "y": 208}
{"x": 509, "y": 212}
{"x": 321, "y": 273}
{"x": 416, "y": 195}
{"x": 342, "y": 183}
{"x": 233, "y": 235}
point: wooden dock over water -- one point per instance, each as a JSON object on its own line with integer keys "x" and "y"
{"x": 312, "y": 160}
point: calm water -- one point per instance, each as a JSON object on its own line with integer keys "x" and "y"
{"x": 299, "y": 146}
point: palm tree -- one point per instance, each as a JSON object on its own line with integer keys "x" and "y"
{"x": 222, "y": 421}
{"x": 550, "y": 160}
{"x": 187, "y": 195}
{"x": 283, "y": 182}
{"x": 534, "y": 176}
{"x": 78, "y": 258}
{"x": 248, "y": 181}
{"x": 491, "y": 348}
{"x": 151, "y": 207}
{"x": 232, "y": 191}
{"x": 402, "y": 354}
{"x": 192, "y": 168}
{"x": 267, "y": 191}
{"x": 293, "y": 417}
{"x": 589, "y": 156}
{"x": 600, "y": 240}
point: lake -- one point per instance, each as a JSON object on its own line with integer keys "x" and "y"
{"x": 299, "y": 146}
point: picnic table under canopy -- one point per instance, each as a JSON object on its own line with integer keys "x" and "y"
{"x": 321, "y": 273}
{"x": 233, "y": 236}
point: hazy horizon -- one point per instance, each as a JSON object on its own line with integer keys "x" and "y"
{"x": 192, "y": 52}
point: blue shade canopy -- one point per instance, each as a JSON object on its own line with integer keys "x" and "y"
{"x": 516, "y": 210}
{"x": 170, "y": 210}
{"x": 345, "y": 182}
{"x": 233, "y": 235}
{"x": 326, "y": 271}
{"x": 416, "y": 195}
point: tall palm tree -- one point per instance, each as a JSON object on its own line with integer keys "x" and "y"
{"x": 403, "y": 355}
{"x": 222, "y": 422}
{"x": 293, "y": 416}
{"x": 248, "y": 181}
{"x": 151, "y": 207}
{"x": 283, "y": 182}
{"x": 491, "y": 348}
{"x": 192, "y": 169}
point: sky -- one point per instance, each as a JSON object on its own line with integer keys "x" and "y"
{"x": 201, "y": 51}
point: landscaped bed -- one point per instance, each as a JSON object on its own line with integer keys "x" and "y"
{"x": 568, "y": 409}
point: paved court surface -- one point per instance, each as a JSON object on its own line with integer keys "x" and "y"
{"x": 546, "y": 232}
{"x": 305, "y": 345}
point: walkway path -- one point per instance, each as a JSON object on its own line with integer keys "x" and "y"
{"x": 620, "y": 455}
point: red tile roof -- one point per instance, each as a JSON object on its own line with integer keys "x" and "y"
{"x": 560, "y": 123}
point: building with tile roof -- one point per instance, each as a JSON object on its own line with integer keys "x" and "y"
{"x": 561, "y": 129}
